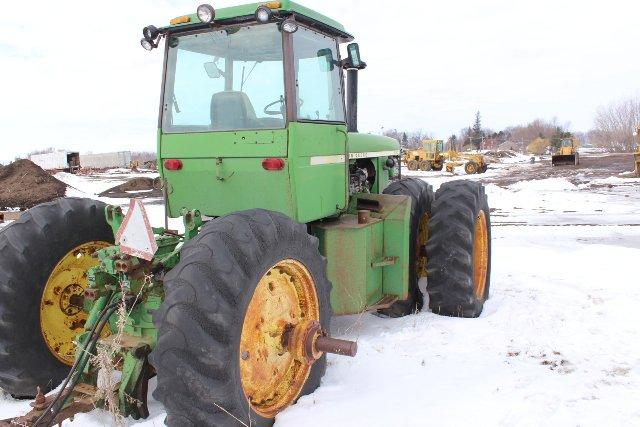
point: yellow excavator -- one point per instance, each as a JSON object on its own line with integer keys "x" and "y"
{"x": 567, "y": 154}
{"x": 636, "y": 155}
{"x": 426, "y": 158}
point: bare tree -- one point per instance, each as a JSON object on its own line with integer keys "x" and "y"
{"x": 615, "y": 124}
{"x": 408, "y": 139}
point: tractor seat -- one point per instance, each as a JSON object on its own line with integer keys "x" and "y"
{"x": 232, "y": 110}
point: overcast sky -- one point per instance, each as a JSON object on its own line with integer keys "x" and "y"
{"x": 73, "y": 74}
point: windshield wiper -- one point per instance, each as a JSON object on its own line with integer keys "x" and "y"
{"x": 243, "y": 80}
{"x": 175, "y": 103}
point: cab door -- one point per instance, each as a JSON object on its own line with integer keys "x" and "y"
{"x": 318, "y": 133}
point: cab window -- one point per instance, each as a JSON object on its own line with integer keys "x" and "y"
{"x": 231, "y": 79}
{"x": 318, "y": 79}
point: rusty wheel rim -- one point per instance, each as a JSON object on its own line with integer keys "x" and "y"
{"x": 272, "y": 376}
{"x": 423, "y": 237}
{"x": 62, "y": 316}
{"x": 480, "y": 255}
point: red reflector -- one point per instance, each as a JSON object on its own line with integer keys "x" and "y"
{"x": 173, "y": 164}
{"x": 273, "y": 164}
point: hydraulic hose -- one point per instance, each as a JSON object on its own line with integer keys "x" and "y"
{"x": 94, "y": 334}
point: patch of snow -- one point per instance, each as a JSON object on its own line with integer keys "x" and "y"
{"x": 548, "y": 184}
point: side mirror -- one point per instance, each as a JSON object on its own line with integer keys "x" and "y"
{"x": 212, "y": 70}
{"x": 325, "y": 60}
{"x": 353, "y": 51}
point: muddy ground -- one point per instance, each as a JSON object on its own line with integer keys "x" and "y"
{"x": 592, "y": 166}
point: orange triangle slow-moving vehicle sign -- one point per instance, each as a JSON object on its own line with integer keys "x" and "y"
{"x": 135, "y": 235}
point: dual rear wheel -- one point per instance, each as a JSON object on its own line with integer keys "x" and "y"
{"x": 451, "y": 247}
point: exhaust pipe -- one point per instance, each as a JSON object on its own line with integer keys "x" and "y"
{"x": 352, "y": 100}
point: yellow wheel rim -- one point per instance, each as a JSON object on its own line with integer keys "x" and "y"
{"x": 61, "y": 313}
{"x": 423, "y": 236}
{"x": 480, "y": 255}
{"x": 272, "y": 376}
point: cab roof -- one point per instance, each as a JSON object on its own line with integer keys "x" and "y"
{"x": 245, "y": 13}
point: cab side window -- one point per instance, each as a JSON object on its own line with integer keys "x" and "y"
{"x": 318, "y": 78}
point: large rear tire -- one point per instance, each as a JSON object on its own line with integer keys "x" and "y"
{"x": 43, "y": 261}
{"x": 459, "y": 250}
{"x": 202, "y": 356}
{"x": 421, "y": 195}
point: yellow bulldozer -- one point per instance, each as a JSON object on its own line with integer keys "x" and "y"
{"x": 567, "y": 153}
{"x": 427, "y": 158}
{"x": 473, "y": 162}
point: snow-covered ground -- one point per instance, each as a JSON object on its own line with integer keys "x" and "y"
{"x": 558, "y": 343}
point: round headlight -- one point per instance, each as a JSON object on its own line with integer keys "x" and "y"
{"x": 289, "y": 26}
{"x": 263, "y": 14}
{"x": 150, "y": 33}
{"x": 146, "y": 44}
{"x": 206, "y": 13}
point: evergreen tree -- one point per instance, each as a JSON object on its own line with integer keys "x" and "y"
{"x": 476, "y": 132}
{"x": 558, "y": 136}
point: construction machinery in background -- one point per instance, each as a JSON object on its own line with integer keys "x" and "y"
{"x": 472, "y": 162}
{"x": 567, "y": 153}
{"x": 290, "y": 216}
{"x": 433, "y": 157}
{"x": 636, "y": 155}
{"x": 426, "y": 158}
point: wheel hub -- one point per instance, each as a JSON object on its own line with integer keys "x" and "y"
{"x": 272, "y": 376}
{"x": 61, "y": 313}
{"x": 282, "y": 337}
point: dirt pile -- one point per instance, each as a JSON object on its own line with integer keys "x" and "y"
{"x": 23, "y": 184}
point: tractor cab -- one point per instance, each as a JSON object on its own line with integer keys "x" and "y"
{"x": 253, "y": 112}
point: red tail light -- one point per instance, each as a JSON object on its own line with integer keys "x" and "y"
{"x": 173, "y": 164}
{"x": 273, "y": 164}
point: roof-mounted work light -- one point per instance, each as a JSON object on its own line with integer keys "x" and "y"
{"x": 150, "y": 33}
{"x": 289, "y": 26}
{"x": 263, "y": 14}
{"x": 206, "y": 13}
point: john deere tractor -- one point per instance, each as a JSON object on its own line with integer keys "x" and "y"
{"x": 290, "y": 216}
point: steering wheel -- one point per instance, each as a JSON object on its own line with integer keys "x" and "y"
{"x": 280, "y": 112}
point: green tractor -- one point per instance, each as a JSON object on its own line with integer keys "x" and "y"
{"x": 290, "y": 216}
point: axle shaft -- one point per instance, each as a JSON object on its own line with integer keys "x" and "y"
{"x": 337, "y": 346}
